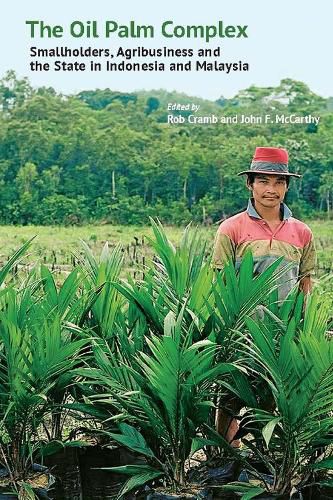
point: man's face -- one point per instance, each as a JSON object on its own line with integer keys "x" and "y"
{"x": 268, "y": 190}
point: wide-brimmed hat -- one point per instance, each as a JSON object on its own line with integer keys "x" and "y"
{"x": 270, "y": 161}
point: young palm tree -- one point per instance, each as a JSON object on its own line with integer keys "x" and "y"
{"x": 38, "y": 352}
{"x": 166, "y": 392}
{"x": 295, "y": 362}
{"x": 178, "y": 275}
{"x": 41, "y": 304}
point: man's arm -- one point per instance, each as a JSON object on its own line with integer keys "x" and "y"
{"x": 224, "y": 250}
{"x": 307, "y": 267}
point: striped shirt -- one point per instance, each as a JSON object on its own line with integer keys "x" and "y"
{"x": 292, "y": 239}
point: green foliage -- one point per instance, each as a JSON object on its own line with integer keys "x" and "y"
{"x": 13, "y": 260}
{"x": 35, "y": 364}
{"x": 99, "y": 276}
{"x": 152, "y": 104}
{"x": 297, "y": 365}
{"x": 40, "y": 346}
{"x": 240, "y": 294}
{"x": 149, "y": 361}
{"x": 99, "y": 99}
{"x": 180, "y": 275}
{"x": 106, "y": 155}
{"x": 140, "y": 475}
{"x": 59, "y": 209}
{"x": 166, "y": 392}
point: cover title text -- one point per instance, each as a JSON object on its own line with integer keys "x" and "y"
{"x": 108, "y": 29}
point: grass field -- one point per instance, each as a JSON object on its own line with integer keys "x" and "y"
{"x": 57, "y": 246}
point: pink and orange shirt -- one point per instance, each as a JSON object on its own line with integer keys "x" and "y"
{"x": 292, "y": 239}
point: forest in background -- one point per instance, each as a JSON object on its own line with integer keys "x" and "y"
{"x": 110, "y": 157}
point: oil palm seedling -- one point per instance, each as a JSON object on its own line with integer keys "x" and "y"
{"x": 40, "y": 303}
{"x": 70, "y": 300}
{"x": 241, "y": 293}
{"x": 115, "y": 323}
{"x": 177, "y": 275}
{"x": 182, "y": 272}
{"x": 36, "y": 361}
{"x": 291, "y": 439}
{"x": 237, "y": 293}
{"x": 165, "y": 392}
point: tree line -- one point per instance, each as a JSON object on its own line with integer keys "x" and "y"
{"x": 106, "y": 156}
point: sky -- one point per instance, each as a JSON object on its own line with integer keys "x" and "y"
{"x": 286, "y": 39}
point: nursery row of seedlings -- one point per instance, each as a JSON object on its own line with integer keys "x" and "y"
{"x": 143, "y": 365}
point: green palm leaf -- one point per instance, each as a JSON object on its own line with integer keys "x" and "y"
{"x": 132, "y": 439}
{"x": 298, "y": 368}
{"x": 14, "y": 259}
{"x": 139, "y": 479}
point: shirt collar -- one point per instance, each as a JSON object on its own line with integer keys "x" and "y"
{"x": 253, "y": 213}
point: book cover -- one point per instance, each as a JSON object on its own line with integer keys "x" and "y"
{"x": 172, "y": 139}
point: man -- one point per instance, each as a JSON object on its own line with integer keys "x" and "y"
{"x": 267, "y": 227}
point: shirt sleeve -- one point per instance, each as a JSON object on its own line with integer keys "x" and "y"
{"x": 224, "y": 250}
{"x": 308, "y": 260}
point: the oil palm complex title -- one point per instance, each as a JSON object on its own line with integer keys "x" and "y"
{"x": 108, "y": 29}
